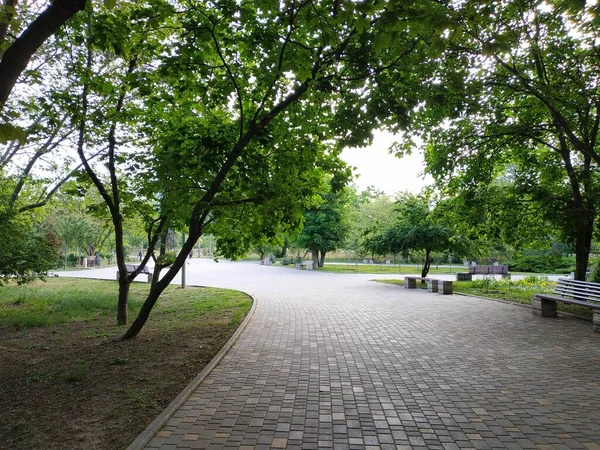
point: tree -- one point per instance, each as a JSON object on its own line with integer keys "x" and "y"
{"x": 325, "y": 226}
{"x": 27, "y": 249}
{"x": 275, "y": 85}
{"x": 416, "y": 229}
{"x": 234, "y": 109}
{"x": 519, "y": 92}
{"x": 371, "y": 212}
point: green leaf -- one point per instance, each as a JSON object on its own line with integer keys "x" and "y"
{"x": 110, "y": 4}
{"x": 9, "y": 132}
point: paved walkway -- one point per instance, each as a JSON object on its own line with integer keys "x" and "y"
{"x": 336, "y": 361}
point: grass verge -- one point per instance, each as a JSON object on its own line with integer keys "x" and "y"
{"x": 69, "y": 382}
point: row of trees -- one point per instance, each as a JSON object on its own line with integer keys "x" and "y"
{"x": 225, "y": 117}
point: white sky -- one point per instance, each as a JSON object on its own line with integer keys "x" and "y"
{"x": 377, "y": 167}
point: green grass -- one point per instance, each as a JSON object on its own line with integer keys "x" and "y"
{"x": 519, "y": 291}
{"x": 62, "y": 300}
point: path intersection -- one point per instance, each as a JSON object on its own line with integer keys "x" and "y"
{"x": 334, "y": 361}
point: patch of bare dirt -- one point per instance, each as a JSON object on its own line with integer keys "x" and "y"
{"x": 78, "y": 387}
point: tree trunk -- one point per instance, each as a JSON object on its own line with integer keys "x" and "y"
{"x": 124, "y": 285}
{"x": 161, "y": 253}
{"x": 583, "y": 243}
{"x": 427, "y": 264}
{"x": 583, "y": 212}
{"x": 315, "y": 257}
{"x": 157, "y": 289}
{"x": 322, "y": 260}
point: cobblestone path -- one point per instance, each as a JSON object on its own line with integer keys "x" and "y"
{"x": 337, "y": 361}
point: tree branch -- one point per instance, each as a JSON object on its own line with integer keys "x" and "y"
{"x": 17, "y": 56}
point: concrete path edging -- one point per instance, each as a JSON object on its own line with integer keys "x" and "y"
{"x": 145, "y": 436}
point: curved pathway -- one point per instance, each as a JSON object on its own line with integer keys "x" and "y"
{"x": 337, "y": 361}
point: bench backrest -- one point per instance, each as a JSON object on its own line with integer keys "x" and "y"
{"x": 582, "y": 290}
{"x": 488, "y": 270}
{"x": 133, "y": 267}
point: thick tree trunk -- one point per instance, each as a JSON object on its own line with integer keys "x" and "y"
{"x": 322, "y": 260}
{"x": 583, "y": 243}
{"x": 315, "y": 257}
{"x": 17, "y": 56}
{"x": 582, "y": 212}
{"x": 124, "y": 285}
{"x": 427, "y": 264}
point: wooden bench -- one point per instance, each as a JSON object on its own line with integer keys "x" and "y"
{"x": 488, "y": 270}
{"x": 440, "y": 286}
{"x": 133, "y": 267}
{"x": 571, "y": 292}
{"x": 482, "y": 270}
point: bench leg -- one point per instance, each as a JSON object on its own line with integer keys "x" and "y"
{"x": 543, "y": 308}
{"x": 410, "y": 283}
{"x": 432, "y": 286}
{"x": 596, "y": 322}
{"x": 445, "y": 287}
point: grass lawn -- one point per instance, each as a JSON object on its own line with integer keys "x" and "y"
{"x": 66, "y": 379}
{"x": 519, "y": 291}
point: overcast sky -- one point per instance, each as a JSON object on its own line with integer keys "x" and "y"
{"x": 377, "y": 167}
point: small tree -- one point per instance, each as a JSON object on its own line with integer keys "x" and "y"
{"x": 325, "y": 227}
{"x": 417, "y": 228}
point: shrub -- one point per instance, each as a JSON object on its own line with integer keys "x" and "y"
{"x": 594, "y": 276}
{"x": 547, "y": 262}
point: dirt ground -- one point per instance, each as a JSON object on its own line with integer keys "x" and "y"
{"x": 75, "y": 387}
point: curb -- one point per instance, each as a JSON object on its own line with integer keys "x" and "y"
{"x": 165, "y": 415}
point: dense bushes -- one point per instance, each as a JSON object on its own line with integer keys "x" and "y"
{"x": 547, "y": 262}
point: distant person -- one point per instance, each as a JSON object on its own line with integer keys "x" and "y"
{"x": 191, "y": 254}
{"x": 97, "y": 259}
{"x": 140, "y": 254}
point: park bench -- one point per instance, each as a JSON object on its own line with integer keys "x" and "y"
{"x": 307, "y": 265}
{"x": 133, "y": 267}
{"x": 440, "y": 286}
{"x": 571, "y": 292}
{"x": 482, "y": 270}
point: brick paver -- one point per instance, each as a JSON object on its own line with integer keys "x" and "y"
{"x": 336, "y": 361}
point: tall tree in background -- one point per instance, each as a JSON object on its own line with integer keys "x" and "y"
{"x": 326, "y": 225}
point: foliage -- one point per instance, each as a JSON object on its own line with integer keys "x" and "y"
{"x": 542, "y": 262}
{"x": 417, "y": 229}
{"x": 517, "y": 107}
{"x": 27, "y": 251}
{"x": 325, "y": 226}
{"x": 371, "y": 211}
